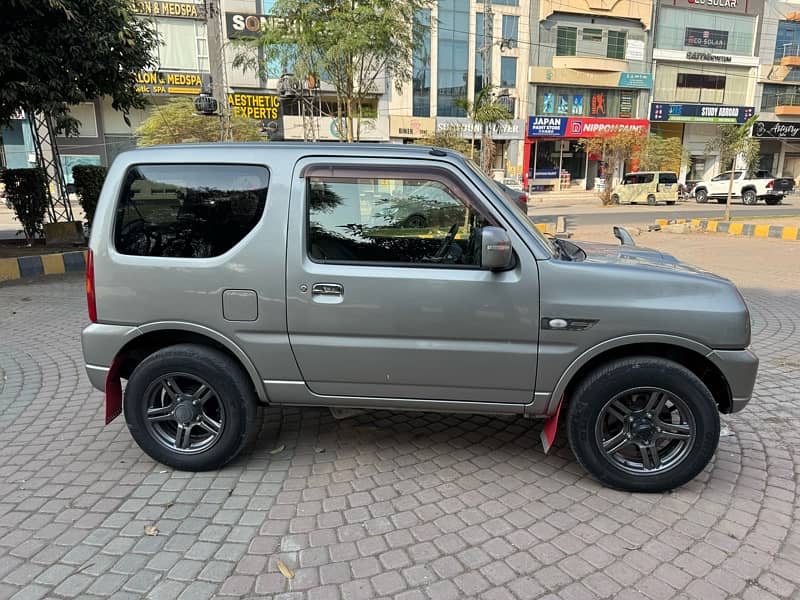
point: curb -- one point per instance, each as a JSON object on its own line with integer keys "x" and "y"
{"x": 760, "y": 230}
{"x": 42, "y": 264}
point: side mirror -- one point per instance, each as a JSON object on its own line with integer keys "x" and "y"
{"x": 496, "y": 251}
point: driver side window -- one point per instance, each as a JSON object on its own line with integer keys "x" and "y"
{"x": 392, "y": 219}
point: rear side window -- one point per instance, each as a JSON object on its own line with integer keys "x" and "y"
{"x": 188, "y": 211}
{"x": 667, "y": 178}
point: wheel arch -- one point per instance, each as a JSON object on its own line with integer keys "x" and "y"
{"x": 157, "y": 336}
{"x": 689, "y": 353}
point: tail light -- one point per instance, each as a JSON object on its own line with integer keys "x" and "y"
{"x": 769, "y": 184}
{"x": 91, "y": 300}
{"x": 523, "y": 198}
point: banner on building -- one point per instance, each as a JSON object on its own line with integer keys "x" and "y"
{"x": 700, "y": 113}
{"x": 169, "y": 83}
{"x": 706, "y": 38}
{"x": 247, "y": 25}
{"x": 582, "y": 127}
{"x": 173, "y": 10}
{"x": 776, "y": 130}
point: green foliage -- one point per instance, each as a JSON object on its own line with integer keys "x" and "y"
{"x": 88, "y": 184}
{"x": 615, "y": 147}
{"x": 732, "y": 142}
{"x": 448, "y": 137}
{"x": 176, "y": 122}
{"x": 64, "y": 52}
{"x": 662, "y": 154}
{"x": 354, "y": 44}
{"x": 26, "y": 190}
{"x": 487, "y": 111}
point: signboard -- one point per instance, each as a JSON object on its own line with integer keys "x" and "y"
{"x": 246, "y": 25}
{"x": 411, "y": 127}
{"x": 626, "y": 104}
{"x": 173, "y": 10}
{"x": 514, "y": 130}
{"x": 730, "y": 7}
{"x": 700, "y": 113}
{"x": 643, "y": 81}
{"x": 547, "y": 126}
{"x": 713, "y": 39}
{"x": 588, "y": 127}
{"x": 581, "y": 127}
{"x": 708, "y": 57}
{"x": 255, "y": 106}
{"x": 776, "y": 129}
{"x": 167, "y": 83}
{"x": 574, "y": 77}
{"x": 635, "y": 50}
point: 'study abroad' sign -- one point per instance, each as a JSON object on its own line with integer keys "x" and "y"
{"x": 700, "y": 113}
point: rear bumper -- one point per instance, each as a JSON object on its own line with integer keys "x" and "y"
{"x": 739, "y": 367}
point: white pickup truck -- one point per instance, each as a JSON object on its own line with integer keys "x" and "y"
{"x": 749, "y": 189}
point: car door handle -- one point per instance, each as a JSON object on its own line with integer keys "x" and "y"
{"x": 327, "y": 289}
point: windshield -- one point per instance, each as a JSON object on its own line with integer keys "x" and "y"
{"x": 523, "y": 216}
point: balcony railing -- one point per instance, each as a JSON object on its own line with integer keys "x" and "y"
{"x": 787, "y": 99}
{"x": 790, "y": 50}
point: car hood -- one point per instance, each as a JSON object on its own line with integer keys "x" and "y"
{"x": 637, "y": 256}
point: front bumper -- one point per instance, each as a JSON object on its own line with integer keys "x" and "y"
{"x": 739, "y": 368}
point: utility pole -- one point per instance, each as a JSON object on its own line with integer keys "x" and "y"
{"x": 216, "y": 63}
{"x": 486, "y": 53}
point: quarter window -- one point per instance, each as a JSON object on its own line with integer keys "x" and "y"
{"x": 395, "y": 219}
{"x": 188, "y": 211}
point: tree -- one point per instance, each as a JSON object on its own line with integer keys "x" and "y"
{"x": 55, "y": 53}
{"x": 487, "y": 111}
{"x": 177, "y": 122}
{"x": 734, "y": 142}
{"x": 615, "y": 148}
{"x": 662, "y": 154}
{"x": 352, "y": 44}
{"x": 448, "y": 137}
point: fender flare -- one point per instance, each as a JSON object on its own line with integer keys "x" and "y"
{"x": 222, "y": 340}
{"x": 557, "y": 396}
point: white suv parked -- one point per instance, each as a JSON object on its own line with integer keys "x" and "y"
{"x": 750, "y": 189}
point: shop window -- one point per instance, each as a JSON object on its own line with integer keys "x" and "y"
{"x": 508, "y": 71}
{"x": 616, "y": 44}
{"x": 566, "y": 41}
{"x": 699, "y": 87}
{"x": 592, "y": 35}
{"x": 181, "y": 44}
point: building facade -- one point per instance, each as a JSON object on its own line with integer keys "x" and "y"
{"x": 705, "y": 64}
{"x": 449, "y": 65}
{"x": 778, "y": 93}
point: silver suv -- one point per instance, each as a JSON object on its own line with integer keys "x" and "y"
{"x": 222, "y": 278}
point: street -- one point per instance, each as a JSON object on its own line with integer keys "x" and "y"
{"x": 403, "y": 505}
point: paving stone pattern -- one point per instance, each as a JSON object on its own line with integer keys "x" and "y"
{"x": 382, "y": 505}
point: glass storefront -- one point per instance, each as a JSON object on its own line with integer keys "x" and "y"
{"x": 453, "y": 51}
{"x": 421, "y": 69}
{"x": 681, "y": 29}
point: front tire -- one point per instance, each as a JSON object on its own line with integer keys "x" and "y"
{"x": 191, "y": 407}
{"x": 651, "y": 200}
{"x": 643, "y": 424}
{"x": 701, "y": 196}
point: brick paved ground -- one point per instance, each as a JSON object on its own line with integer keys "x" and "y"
{"x": 409, "y": 506}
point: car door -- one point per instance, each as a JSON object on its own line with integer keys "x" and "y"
{"x": 390, "y": 311}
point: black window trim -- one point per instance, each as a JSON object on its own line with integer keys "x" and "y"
{"x": 121, "y": 191}
{"x": 308, "y": 172}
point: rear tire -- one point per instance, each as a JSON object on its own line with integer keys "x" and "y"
{"x": 191, "y": 407}
{"x": 749, "y": 197}
{"x": 701, "y": 196}
{"x": 643, "y": 424}
{"x": 614, "y": 199}
{"x": 771, "y": 201}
